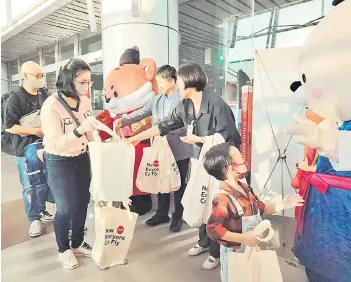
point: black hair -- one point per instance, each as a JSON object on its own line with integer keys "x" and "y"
{"x": 67, "y": 75}
{"x": 167, "y": 71}
{"x": 217, "y": 160}
{"x": 193, "y": 76}
{"x": 131, "y": 56}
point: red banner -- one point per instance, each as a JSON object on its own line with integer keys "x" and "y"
{"x": 246, "y": 124}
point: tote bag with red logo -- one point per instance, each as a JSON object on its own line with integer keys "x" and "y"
{"x": 158, "y": 171}
{"x": 114, "y": 229}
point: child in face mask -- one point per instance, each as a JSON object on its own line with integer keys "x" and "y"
{"x": 236, "y": 210}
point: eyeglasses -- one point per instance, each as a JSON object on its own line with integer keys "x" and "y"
{"x": 89, "y": 83}
{"x": 38, "y": 75}
{"x": 236, "y": 165}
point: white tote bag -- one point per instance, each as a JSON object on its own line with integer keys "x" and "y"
{"x": 255, "y": 265}
{"x": 173, "y": 182}
{"x": 114, "y": 229}
{"x": 198, "y": 193}
{"x": 158, "y": 171}
{"x": 112, "y": 166}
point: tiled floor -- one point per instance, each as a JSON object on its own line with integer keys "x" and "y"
{"x": 156, "y": 254}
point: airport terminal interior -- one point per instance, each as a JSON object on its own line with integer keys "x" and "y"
{"x": 220, "y": 35}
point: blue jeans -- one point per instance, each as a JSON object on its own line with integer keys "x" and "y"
{"x": 34, "y": 196}
{"x": 224, "y": 262}
{"x": 69, "y": 182}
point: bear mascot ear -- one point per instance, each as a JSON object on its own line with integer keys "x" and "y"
{"x": 149, "y": 66}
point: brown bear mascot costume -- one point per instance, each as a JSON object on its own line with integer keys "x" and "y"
{"x": 128, "y": 88}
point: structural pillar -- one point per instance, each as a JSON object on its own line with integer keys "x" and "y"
{"x": 151, "y": 25}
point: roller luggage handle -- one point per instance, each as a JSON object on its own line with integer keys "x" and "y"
{"x": 100, "y": 126}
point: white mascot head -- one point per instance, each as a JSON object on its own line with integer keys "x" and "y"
{"x": 325, "y": 66}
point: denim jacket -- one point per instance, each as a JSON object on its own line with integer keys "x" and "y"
{"x": 157, "y": 108}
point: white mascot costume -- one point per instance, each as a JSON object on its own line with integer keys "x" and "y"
{"x": 324, "y": 244}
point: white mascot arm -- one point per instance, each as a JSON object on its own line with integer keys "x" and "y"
{"x": 325, "y": 137}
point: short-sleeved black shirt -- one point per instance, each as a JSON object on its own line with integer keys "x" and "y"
{"x": 19, "y": 104}
{"x": 215, "y": 116}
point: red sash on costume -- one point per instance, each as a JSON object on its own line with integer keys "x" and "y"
{"x": 321, "y": 182}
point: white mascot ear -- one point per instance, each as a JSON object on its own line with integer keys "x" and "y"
{"x": 325, "y": 62}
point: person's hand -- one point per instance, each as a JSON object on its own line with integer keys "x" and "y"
{"x": 39, "y": 132}
{"x": 127, "y": 203}
{"x": 249, "y": 239}
{"x": 293, "y": 200}
{"x": 191, "y": 139}
{"x": 117, "y": 124}
{"x": 86, "y": 127}
{"x": 133, "y": 140}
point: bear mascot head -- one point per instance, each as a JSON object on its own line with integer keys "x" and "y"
{"x": 127, "y": 88}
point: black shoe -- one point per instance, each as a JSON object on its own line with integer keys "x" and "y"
{"x": 176, "y": 224}
{"x": 157, "y": 219}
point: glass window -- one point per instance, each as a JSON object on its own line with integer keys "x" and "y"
{"x": 67, "y": 52}
{"x": 13, "y": 68}
{"x": 96, "y": 91}
{"x": 91, "y": 44}
{"x": 51, "y": 82}
{"x": 15, "y": 85}
{"x": 3, "y": 14}
{"x": 49, "y": 55}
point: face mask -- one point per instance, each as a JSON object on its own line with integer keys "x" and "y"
{"x": 82, "y": 89}
{"x": 243, "y": 175}
{"x": 35, "y": 83}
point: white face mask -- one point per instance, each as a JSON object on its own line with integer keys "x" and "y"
{"x": 35, "y": 83}
{"x": 82, "y": 89}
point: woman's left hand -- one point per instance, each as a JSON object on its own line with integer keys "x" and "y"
{"x": 191, "y": 139}
{"x": 293, "y": 200}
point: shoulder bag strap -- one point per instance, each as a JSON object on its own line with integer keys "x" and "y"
{"x": 64, "y": 104}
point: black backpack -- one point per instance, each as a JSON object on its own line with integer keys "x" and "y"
{"x": 5, "y": 136}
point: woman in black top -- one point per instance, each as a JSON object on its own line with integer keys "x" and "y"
{"x": 207, "y": 114}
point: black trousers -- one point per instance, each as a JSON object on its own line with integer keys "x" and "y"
{"x": 69, "y": 181}
{"x": 164, "y": 199}
{"x": 206, "y": 242}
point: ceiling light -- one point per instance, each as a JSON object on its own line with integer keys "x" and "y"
{"x": 220, "y": 25}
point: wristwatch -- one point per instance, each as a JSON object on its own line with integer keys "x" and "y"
{"x": 203, "y": 139}
{"x": 76, "y": 133}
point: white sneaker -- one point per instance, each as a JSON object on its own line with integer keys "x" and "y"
{"x": 35, "y": 228}
{"x": 83, "y": 251}
{"x": 68, "y": 260}
{"x": 211, "y": 263}
{"x": 46, "y": 216}
{"x": 197, "y": 250}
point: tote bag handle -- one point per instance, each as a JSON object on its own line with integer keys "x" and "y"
{"x": 99, "y": 125}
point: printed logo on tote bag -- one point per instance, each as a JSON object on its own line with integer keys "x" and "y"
{"x": 175, "y": 168}
{"x": 152, "y": 169}
{"x": 113, "y": 239}
{"x": 204, "y": 192}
